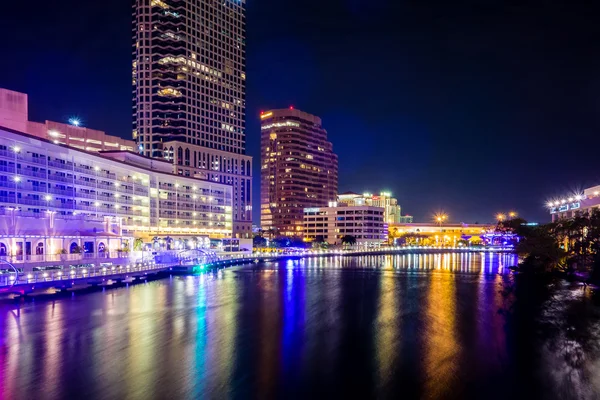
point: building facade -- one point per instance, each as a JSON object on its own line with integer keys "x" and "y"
{"x": 221, "y": 167}
{"x": 136, "y": 195}
{"x": 188, "y": 76}
{"x": 14, "y": 114}
{"x": 392, "y": 211}
{"x": 298, "y": 169}
{"x": 438, "y": 234}
{"x": 365, "y": 223}
{"x": 569, "y": 206}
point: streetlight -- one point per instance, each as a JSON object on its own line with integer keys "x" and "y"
{"x": 440, "y": 218}
{"x": 500, "y": 217}
{"x": 512, "y": 214}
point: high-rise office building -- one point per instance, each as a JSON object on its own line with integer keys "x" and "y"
{"x": 188, "y": 76}
{"x": 298, "y": 169}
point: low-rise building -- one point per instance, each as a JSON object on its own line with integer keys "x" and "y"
{"x": 365, "y": 223}
{"x": 392, "y": 210}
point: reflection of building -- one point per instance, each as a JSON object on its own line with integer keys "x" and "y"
{"x": 299, "y": 169}
{"x": 138, "y": 194}
{"x": 436, "y": 233}
{"x": 14, "y": 115}
{"x": 189, "y": 84}
{"x": 384, "y": 200}
{"x": 568, "y": 206}
{"x": 365, "y": 223}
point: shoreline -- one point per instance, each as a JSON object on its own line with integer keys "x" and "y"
{"x": 188, "y": 270}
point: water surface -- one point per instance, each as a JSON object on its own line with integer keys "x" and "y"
{"x": 428, "y": 326}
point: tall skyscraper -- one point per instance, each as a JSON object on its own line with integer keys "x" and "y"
{"x": 189, "y": 92}
{"x": 298, "y": 169}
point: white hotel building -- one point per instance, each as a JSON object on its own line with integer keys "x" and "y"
{"x": 113, "y": 195}
{"x": 365, "y": 223}
{"x": 568, "y": 206}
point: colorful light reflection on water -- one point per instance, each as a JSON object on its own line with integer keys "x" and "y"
{"x": 407, "y": 325}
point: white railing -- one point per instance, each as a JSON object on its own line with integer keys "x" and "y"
{"x": 40, "y": 258}
{"x": 57, "y": 275}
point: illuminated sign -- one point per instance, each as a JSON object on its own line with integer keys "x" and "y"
{"x": 279, "y": 125}
{"x": 565, "y": 207}
{"x": 267, "y": 115}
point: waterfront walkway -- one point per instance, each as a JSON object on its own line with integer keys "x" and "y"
{"x": 22, "y": 283}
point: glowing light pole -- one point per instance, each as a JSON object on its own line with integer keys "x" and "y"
{"x": 440, "y": 218}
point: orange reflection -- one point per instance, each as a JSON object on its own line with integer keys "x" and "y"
{"x": 387, "y": 335}
{"x": 440, "y": 345}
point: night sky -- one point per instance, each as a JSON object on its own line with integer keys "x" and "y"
{"x": 473, "y": 107}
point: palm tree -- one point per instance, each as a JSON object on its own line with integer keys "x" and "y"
{"x": 349, "y": 240}
{"x": 138, "y": 244}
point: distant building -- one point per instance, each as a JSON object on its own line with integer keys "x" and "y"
{"x": 448, "y": 234}
{"x": 406, "y": 219}
{"x": 365, "y": 223}
{"x": 14, "y": 115}
{"x": 298, "y": 169}
{"x": 568, "y": 206}
{"x": 384, "y": 200}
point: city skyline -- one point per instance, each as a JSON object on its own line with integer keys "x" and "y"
{"x": 440, "y": 133}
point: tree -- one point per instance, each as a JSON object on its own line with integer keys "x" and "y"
{"x": 296, "y": 241}
{"x": 138, "y": 244}
{"x": 392, "y": 235}
{"x": 320, "y": 242}
{"x": 462, "y": 242}
{"x": 259, "y": 241}
{"x": 541, "y": 251}
{"x": 349, "y": 240}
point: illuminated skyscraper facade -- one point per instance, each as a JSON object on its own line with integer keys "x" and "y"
{"x": 298, "y": 169}
{"x": 188, "y": 76}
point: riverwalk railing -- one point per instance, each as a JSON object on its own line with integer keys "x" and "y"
{"x": 168, "y": 259}
{"x": 72, "y": 274}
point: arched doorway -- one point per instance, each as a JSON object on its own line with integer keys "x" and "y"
{"x": 74, "y": 248}
{"x": 39, "y": 249}
{"x": 3, "y": 250}
{"x": 101, "y": 247}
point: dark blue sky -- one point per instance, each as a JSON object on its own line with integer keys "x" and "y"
{"x": 473, "y": 107}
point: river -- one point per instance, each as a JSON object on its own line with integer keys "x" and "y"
{"x": 410, "y": 326}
